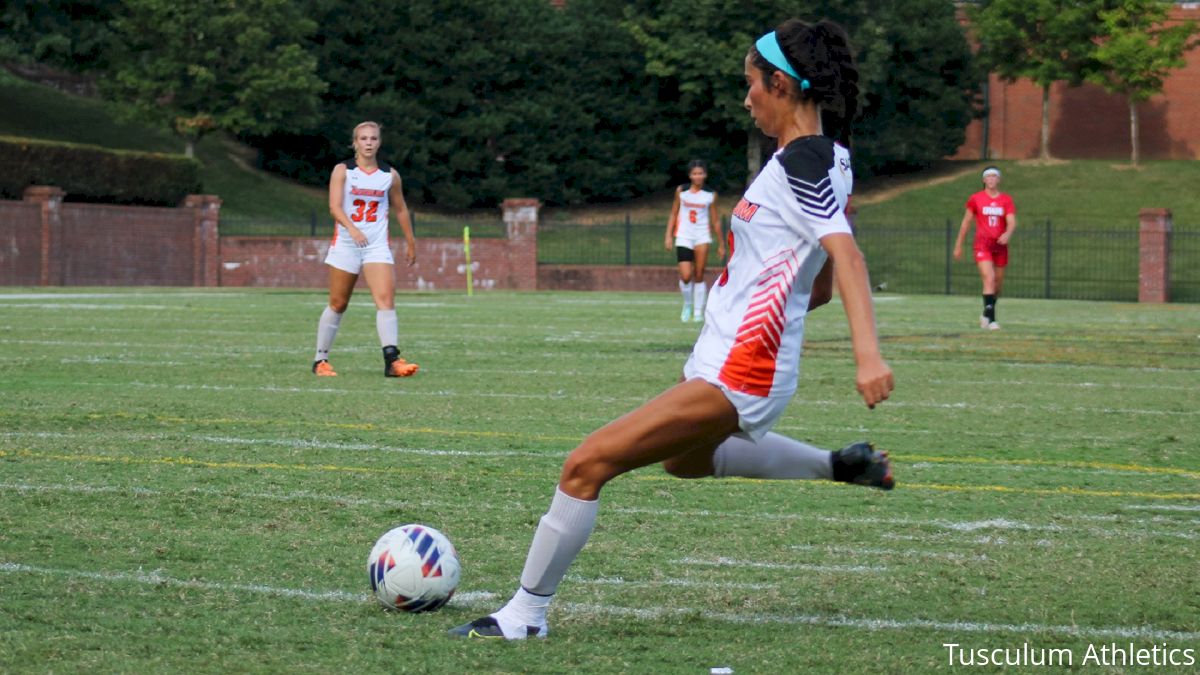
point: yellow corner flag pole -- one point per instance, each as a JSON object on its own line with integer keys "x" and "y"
{"x": 467, "y": 252}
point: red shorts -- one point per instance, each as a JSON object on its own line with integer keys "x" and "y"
{"x": 993, "y": 250}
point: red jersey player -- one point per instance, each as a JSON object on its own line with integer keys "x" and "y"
{"x": 995, "y": 219}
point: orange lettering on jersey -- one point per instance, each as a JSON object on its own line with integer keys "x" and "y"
{"x": 745, "y": 210}
{"x": 364, "y": 192}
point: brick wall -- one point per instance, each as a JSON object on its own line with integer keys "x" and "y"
{"x": 611, "y": 278}
{"x": 106, "y": 245}
{"x": 44, "y": 241}
{"x": 1087, "y": 122}
{"x": 20, "y": 243}
{"x": 300, "y": 263}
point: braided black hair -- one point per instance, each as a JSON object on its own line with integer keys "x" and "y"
{"x": 820, "y": 53}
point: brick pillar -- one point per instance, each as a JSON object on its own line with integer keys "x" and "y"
{"x": 1154, "y": 279}
{"x": 206, "y": 252}
{"x": 51, "y": 200}
{"x": 521, "y": 217}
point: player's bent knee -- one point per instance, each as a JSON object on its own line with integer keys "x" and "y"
{"x": 687, "y": 467}
{"x": 586, "y": 470}
{"x": 339, "y": 305}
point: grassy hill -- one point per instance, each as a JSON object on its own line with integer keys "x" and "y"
{"x": 41, "y": 112}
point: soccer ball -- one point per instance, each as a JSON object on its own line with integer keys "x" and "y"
{"x": 413, "y": 568}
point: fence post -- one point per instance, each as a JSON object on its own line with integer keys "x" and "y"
{"x": 1049, "y": 255}
{"x": 628, "y": 241}
{"x": 1154, "y": 240}
{"x": 206, "y": 263}
{"x": 949, "y": 252}
{"x": 51, "y": 199}
{"x": 521, "y": 221}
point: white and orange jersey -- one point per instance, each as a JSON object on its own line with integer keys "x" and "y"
{"x": 692, "y": 221}
{"x": 365, "y": 201}
{"x": 754, "y": 321}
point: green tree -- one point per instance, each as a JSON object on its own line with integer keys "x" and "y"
{"x": 202, "y": 65}
{"x": 482, "y": 100}
{"x": 917, "y": 86}
{"x": 923, "y": 85}
{"x": 1136, "y": 53}
{"x": 1045, "y": 41}
{"x": 72, "y": 35}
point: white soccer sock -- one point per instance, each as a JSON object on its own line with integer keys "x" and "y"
{"x": 773, "y": 456}
{"x": 685, "y": 288}
{"x": 387, "y": 326}
{"x": 701, "y": 294}
{"x": 560, "y": 536}
{"x": 327, "y": 329}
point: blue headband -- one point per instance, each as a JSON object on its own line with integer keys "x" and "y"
{"x": 768, "y": 46}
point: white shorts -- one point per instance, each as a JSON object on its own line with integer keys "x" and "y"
{"x": 349, "y": 257}
{"x": 693, "y": 239}
{"x": 756, "y": 414}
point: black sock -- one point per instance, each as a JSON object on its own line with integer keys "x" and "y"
{"x": 989, "y": 307}
{"x": 390, "y": 354}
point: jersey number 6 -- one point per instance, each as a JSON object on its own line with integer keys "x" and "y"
{"x": 358, "y": 215}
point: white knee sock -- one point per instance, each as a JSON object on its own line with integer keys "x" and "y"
{"x": 701, "y": 294}
{"x": 387, "y": 327}
{"x": 685, "y": 288}
{"x": 560, "y": 536}
{"x": 773, "y": 456}
{"x": 327, "y": 329}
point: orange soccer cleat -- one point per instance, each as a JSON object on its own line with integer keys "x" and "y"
{"x": 400, "y": 368}
{"x": 323, "y": 369}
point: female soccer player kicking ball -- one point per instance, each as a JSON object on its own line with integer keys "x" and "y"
{"x": 743, "y": 370}
{"x": 360, "y": 192}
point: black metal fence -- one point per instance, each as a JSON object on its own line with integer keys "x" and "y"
{"x": 1069, "y": 261}
{"x": 1044, "y": 261}
{"x": 1072, "y": 260}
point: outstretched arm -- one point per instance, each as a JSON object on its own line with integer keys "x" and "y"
{"x": 874, "y": 379}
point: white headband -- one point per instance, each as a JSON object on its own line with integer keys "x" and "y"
{"x": 993, "y": 171}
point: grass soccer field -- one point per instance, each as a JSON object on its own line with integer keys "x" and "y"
{"x": 179, "y": 494}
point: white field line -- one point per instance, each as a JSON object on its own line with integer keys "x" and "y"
{"x": 902, "y": 552}
{"x": 670, "y": 582}
{"x": 874, "y": 624}
{"x": 959, "y": 526}
{"x": 155, "y": 578}
{"x": 293, "y": 444}
{"x": 1044, "y": 408}
{"x": 1106, "y": 368}
{"x": 1049, "y": 383}
{"x": 1161, "y": 507}
{"x": 75, "y": 306}
{"x": 479, "y": 598}
{"x": 995, "y": 525}
{"x": 722, "y": 561}
{"x": 125, "y": 296}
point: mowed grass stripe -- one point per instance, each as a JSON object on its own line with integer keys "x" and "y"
{"x": 1113, "y": 526}
{"x": 582, "y": 610}
{"x": 898, "y": 458}
{"x": 183, "y": 461}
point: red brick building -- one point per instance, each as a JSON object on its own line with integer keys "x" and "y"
{"x": 1086, "y": 122}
